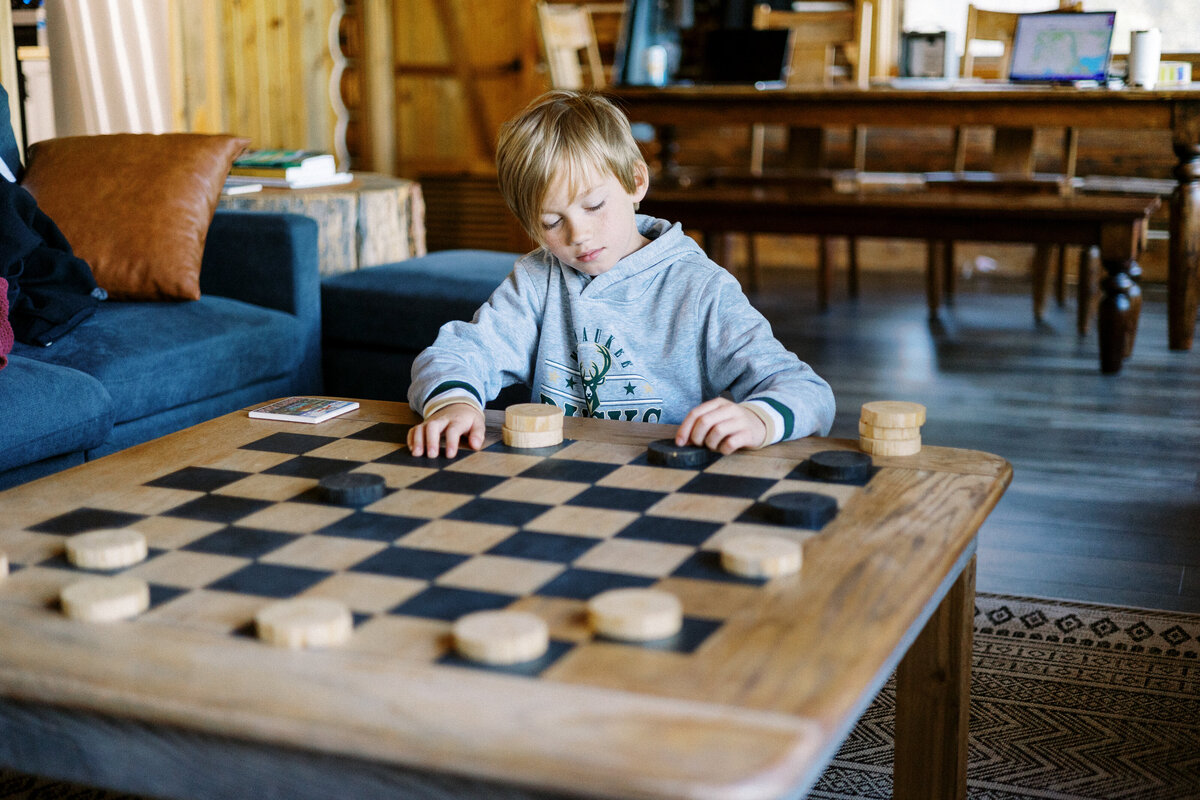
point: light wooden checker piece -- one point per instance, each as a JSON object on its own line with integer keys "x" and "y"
{"x": 304, "y": 622}
{"x": 635, "y": 615}
{"x": 532, "y": 425}
{"x": 893, "y": 414}
{"x": 754, "y": 555}
{"x": 107, "y": 548}
{"x": 501, "y": 638}
{"x": 891, "y": 428}
{"x": 105, "y": 599}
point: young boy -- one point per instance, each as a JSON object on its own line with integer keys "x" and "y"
{"x": 616, "y": 315}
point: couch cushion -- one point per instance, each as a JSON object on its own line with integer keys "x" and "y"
{"x": 156, "y": 356}
{"x": 135, "y": 206}
{"x": 401, "y": 306}
{"x": 49, "y": 410}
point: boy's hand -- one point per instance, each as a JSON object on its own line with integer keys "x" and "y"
{"x": 451, "y": 423}
{"x": 721, "y": 425}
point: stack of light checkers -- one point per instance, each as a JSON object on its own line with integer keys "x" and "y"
{"x": 891, "y": 428}
{"x": 530, "y": 425}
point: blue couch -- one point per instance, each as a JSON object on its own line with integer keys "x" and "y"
{"x": 138, "y": 370}
{"x": 378, "y": 319}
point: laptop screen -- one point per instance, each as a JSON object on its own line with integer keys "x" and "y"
{"x": 1052, "y": 47}
{"x": 746, "y": 56}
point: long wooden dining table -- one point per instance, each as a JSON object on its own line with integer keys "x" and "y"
{"x": 943, "y": 104}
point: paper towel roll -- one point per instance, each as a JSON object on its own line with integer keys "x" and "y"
{"x": 1145, "y": 50}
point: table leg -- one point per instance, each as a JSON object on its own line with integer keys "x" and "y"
{"x": 1183, "y": 277}
{"x": 933, "y": 692}
{"x": 1118, "y": 317}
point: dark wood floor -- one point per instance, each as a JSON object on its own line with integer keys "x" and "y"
{"x": 1105, "y": 501}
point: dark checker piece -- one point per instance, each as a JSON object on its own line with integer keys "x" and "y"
{"x": 665, "y": 453}
{"x": 352, "y": 488}
{"x": 805, "y": 509}
{"x": 840, "y": 465}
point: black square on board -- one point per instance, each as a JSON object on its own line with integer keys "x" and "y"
{"x": 293, "y": 443}
{"x": 497, "y": 512}
{"x": 556, "y": 547}
{"x": 373, "y": 527}
{"x": 448, "y": 603}
{"x": 390, "y": 432}
{"x": 616, "y": 499}
{"x": 270, "y": 580}
{"x": 410, "y": 562}
{"x": 584, "y": 584}
{"x": 311, "y": 467}
{"x": 670, "y": 530}
{"x": 705, "y": 565}
{"x": 198, "y": 479}
{"x": 566, "y": 469}
{"x": 727, "y": 485}
{"x": 218, "y": 508}
{"x": 240, "y": 542}
{"x": 404, "y": 458}
{"x": 458, "y": 482}
{"x": 86, "y": 519}
{"x": 164, "y": 594}
{"x": 692, "y": 634}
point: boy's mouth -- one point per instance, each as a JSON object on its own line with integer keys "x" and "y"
{"x": 590, "y": 255}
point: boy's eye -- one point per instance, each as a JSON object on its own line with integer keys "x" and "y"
{"x": 595, "y": 207}
{"x": 550, "y": 224}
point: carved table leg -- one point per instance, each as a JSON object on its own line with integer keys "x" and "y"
{"x": 1118, "y": 314}
{"x": 1183, "y": 278}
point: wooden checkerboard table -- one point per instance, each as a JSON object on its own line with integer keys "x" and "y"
{"x": 750, "y": 699}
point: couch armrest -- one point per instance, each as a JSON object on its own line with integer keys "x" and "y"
{"x": 263, "y": 258}
{"x": 270, "y": 260}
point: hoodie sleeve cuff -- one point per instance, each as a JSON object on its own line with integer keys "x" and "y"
{"x": 449, "y": 393}
{"x": 759, "y": 410}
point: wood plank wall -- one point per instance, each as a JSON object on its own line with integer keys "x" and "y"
{"x": 257, "y": 68}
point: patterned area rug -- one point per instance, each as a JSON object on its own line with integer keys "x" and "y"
{"x": 1069, "y": 701}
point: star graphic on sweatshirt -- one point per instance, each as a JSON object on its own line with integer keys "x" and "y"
{"x": 630, "y": 388}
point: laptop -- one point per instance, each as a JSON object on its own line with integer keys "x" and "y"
{"x": 1070, "y": 47}
{"x": 746, "y": 56}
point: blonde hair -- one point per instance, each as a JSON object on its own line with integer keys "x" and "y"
{"x": 577, "y": 135}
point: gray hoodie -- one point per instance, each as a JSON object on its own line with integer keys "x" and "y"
{"x": 662, "y": 331}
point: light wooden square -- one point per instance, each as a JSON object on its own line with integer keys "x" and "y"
{"x": 841, "y": 492}
{"x": 566, "y": 619}
{"x": 359, "y": 450}
{"x": 185, "y": 569}
{"x": 366, "y": 593}
{"x": 275, "y": 488}
{"x": 295, "y": 517}
{"x": 206, "y": 609}
{"x": 169, "y": 533}
{"x": 246, "y": 460}
{"x": 420, "y": 504}
{"x": 324, "y": 552}
{"x": 752, "y": 465}
{"x": 457, "y": 536}
{"x": 27, "y": 547}
{"x": 652, "y": 479}
{"x": 406, "y": 638}
{"x": 595, "y": 522}
{"x": 705, "y": 507}
{"x": 603, "y": 452}
{"x": 38, "y": 587}
{"x": 503, "y": 464}
{"x": 635, "y": 557}
{"x": 398, "y": 476}
{"x": 501, "y": 574}
{"x": 142, "y": 499}
{"x": 536, "y": 490}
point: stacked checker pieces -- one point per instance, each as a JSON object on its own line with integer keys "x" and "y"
{"x": 628, "y": 616}
{"x": 891, "y": 428}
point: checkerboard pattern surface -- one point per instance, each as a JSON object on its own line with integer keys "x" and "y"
{"x": 543, "y": 530}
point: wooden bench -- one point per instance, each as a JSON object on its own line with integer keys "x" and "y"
{"x": 1114, "y": 225}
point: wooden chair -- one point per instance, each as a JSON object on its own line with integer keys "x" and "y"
{"x": 1011, "y": 160}
{"x": 827, "y": 46}
{"x": 570, "y": 47}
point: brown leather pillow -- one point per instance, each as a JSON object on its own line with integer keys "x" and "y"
{"x": 135, "y": 207}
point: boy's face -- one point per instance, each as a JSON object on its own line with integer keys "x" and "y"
{"x": 595, "y": 228}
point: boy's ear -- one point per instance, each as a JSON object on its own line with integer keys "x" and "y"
{"x": 641, "y": 181}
